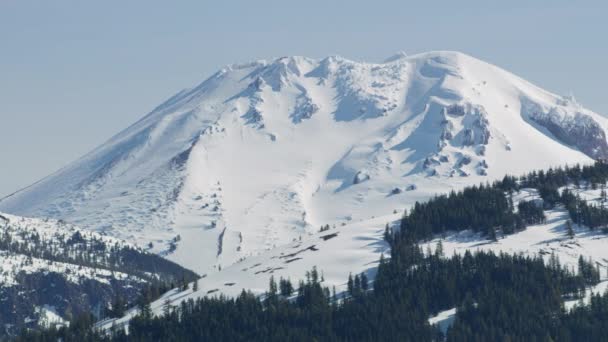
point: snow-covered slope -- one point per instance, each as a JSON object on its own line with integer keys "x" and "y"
{"x": 263, "y": 153}
{"x": 354, "y": 248}
{"x": 51, "y": 270}
{"x": 336, "y": 252}
{"x": 34, "y": 245}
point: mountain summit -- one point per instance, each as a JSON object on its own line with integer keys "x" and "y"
{"x": 263, "y": 153}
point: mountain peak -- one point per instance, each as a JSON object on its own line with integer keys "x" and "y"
{"x": 395, "y": 57}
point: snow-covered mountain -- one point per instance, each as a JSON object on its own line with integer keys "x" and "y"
{"x": 261, "y": 154}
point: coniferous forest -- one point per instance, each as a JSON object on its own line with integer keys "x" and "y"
{"x": 497, "y": 297}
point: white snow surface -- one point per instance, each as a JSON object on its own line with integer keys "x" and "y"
{"x": 262, "y": 153}
{"x": 353, "y": 247}
{"x": 50, "y": 318}
{"x": 444, "y": 319}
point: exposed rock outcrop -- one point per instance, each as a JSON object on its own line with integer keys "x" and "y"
{"x": 578, "y": 130}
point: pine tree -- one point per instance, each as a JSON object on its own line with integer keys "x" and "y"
{"x": 357, "y": 285}
{"x": 195, "y": 286}
{"x": 387, "y": 234}
{"x": 439, "y": 249}
{"x": 350, "y": 284}
{"x": 118, "y": 306}
{"x": 183, "y": 284}
{"x": 272, "y": 289}
{"x": 493, "y": 235}
{"x": 285, "y": 287}
{"x": 569, "y": 230}
{"x": 146, "y": 311}
{"x": 167, "y": 307}
{"x": 364, "y": 282}
{"x": 314, "y": 275}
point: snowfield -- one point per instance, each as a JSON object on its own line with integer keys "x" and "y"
{"x": 336, "y": 252}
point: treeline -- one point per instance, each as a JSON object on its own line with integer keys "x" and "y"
{"x": 583, "y": 213}
{"x": 92, "y": 252}
{"x": 591, "y": 177}
{"x": 505, "y": 316}
{"x": 489, "y": 208}
{"x": 483, "y": 208}
{"x": 580, "y": 176}
{"x": 410, "y": 286}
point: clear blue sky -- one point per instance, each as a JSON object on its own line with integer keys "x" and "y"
{"x": 73, "y": 73}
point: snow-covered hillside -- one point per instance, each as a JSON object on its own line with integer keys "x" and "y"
{"x": 262, "y": 154}
{"x": 335, "y": 252}
{"x": 355, "y": 248}
{"x": 34, "y": 245}
{"x": 51, "y": 270}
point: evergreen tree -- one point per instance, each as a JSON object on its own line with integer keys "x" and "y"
{"x": 285, "y": 287}
{"x": 146, "y": 311}
{"x": 439, "y": 249}
{"x": 357, "y": 285}
{"x": 364, "y": 282}
{"x": 167, "y": 307}
{"x": 195, "y": 286}
{"x": 569, "y": 230}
